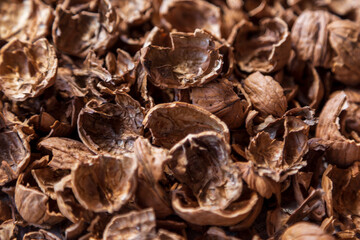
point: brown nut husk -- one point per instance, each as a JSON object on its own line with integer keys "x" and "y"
{"x": 27, "y": 69}
{"x": 266, "y": 95}
{"x": 78, "y": 33}
{"x": 111, "y": 128}
{"x": 171, "y": 122}
{"x": 133, "y": 225}
{"x": 104, "y": 183}
{"x": 338, "y": 124}
{"x": 8, "y": 230}
{"x": 309, "y": 36}
{"x": 344, "y": 39}
{"x": 220, "y": 99}
{"x": 192, "y": 60}
{"x": 265, "y": 48}
{"x": 25, "y": 20}
{"x": 278, "y": 150}
{"x": 187, "y": 15}
{"x": 15, "y": 151}
{"x": 304, "y": 230}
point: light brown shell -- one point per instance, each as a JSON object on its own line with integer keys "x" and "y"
{"x": 345, "y": 41}
{"x": 265, "y": 48}
{"x": 304, "y": 231}
{"x": 192, "y": 60}
{"x": 25, "y": 20}
{"x": 78, "y": 33}
{"x": 266, "y": 95}
{"x": 15, "y": 151}
{"x": 131, "y": 226}
{"x": 309, "y": 36}
{"x": 27, "y": 69}
{"x": 111, "y": 128}
{"x": 344, "y": 150}
{"x": 187, "y": 15}
{"x": 104, "y": 183}
{"x": 202, "y": 163}
{"x": 171, "y": 122}
{"x": 220, "y": 99}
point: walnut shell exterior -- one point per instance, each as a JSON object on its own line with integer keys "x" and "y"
{"x": 27, "y": 69}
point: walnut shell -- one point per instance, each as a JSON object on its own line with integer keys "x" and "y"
{"x": 220, "y": 99}
{"x": 33, "y": 205}
{"x": 265, "y": 48}
{"x": 78, "y": 33}
{"x": 278, "y": 151}
{"x": 192, "y": 60}
{"x": 187, "y": 15}
{"x": 303, "y": 231}
{"x": 27, "y": 69}
{"x": 104, "y": 183}
{"x": 25, "y": 20}
{"x": 309, "y": 36}
{"x": 171, "y": 122}
{"x": 133, "y": 225}
{"x": 41, "y": 234}
{"x": 133, "y": 12}
{"x": 266, "y": 95}
{"x": 111, "y": 128}
{"x": 201, "y": 162}
{"x": 338, "y": 123}
{"x": 344, "y": 39}
{"x": 15, "y": 151}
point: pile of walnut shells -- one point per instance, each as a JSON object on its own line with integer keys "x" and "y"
{"x": 179, "y": 119}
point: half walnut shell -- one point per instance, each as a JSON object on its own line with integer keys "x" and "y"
{"x": 345, "y": 41}
{"x": 25, "y": 20}
{"x": 278, "y": 151}
{"x": 78, "y": 33}
{"x": 265, "y": 48}
{"x": 111, "y": 128}
{"x": 133, "y": 225}
{"x": 305, "y": 230}
{"x": 104, "y": 183}
{"x": 27, "y": 69}
{"x": 309, "y": 36}
{"x": 171, "y": 122}
{"x": 266, "y": 95}
{"x": 339, "y": 125}
{"x": 219, "y": 98}
{"x": 202, "y": 162}
{"x": 187, "y": 15}
{"x": 15, "y": 151}
{"x": 192, "y": 60}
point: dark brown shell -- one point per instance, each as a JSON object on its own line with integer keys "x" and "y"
{"x": 192, "y": 60}
{"x": 111, "y": 128}
{"x": 171, "y": 122}
{"x": 27, "y": 69}
{"x": 265, "y": 48}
